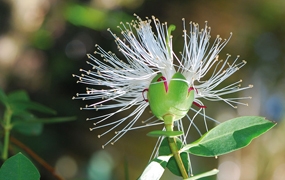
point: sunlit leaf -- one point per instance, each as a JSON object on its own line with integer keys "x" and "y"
{"x": 81, "y": 15}
{"x": 158, "y": 133}
{"x": 229, "y": 136}
{"x": 19, "y": 167}
{"x": 155, "y": 168}
{"x": 205, "y": 174}
{"x": 94, "y": 18}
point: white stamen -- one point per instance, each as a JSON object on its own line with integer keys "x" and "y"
{"x": 148, "y": 51}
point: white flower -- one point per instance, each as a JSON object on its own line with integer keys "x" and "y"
{"x": 148, "y": 52}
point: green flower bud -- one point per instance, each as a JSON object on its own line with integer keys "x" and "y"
{"x": 174, "y": 99}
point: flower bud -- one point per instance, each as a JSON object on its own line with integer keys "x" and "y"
{"x": 173, "y": 99}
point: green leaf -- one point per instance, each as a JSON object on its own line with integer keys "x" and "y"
{"x": 164, "y": 149}
{"x": 34, "y": 126}
{"x": 29, "y": 129}
{"x": 205, "y": 174}
{"x": 19, "y": 167}
{"x": 26, "y": 123}
{"x": 155, "y": 168}
{"x": 19, "y": 102}
{"x": 47, "y": 120}
{"x": 21, "y": 123}
{"x": 3, "y": 97}
{"x": 19, "y": 95}
{"x": 172, "y": 165}
{"x": 1, "y": 147}
{"x": 165, "y": 133}
{"x": 94, "y": 18}
{"x": 21, "y": 106}
{"x": 229, "y": 136}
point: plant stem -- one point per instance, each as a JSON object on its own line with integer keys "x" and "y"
{"x": 168, "y": 121}
{"x": 7, "y": 128}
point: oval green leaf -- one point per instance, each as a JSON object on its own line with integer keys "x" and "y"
{"x": 229, "y": 136}
{"x": 159, "y": 133}
{"x": 19, "y": 167}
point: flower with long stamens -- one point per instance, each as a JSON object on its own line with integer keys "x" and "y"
{"x": 151, "y": 74}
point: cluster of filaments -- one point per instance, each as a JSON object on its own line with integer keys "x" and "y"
{"x": 198, "y": 59}
{"x": 147, "y": 54}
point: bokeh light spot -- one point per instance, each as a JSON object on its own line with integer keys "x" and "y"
{"x": 228, "y": 170}
{"x": 75, "y": 49}
{"x": 66, "y": 166}
{"x": 100, "y": 166}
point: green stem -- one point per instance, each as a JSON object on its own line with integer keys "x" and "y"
{"x": 7, "y": 128}
{"x": 168, "y": 121}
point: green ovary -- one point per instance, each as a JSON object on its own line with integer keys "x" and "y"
{"x": 174, "y": 100}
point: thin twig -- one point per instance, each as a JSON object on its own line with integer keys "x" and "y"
{"x": 36, "y": 157}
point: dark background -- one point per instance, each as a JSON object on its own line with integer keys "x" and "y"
{"x": 42, "y": 43}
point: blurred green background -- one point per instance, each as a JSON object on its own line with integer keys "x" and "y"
{"x": 44, "y": 42}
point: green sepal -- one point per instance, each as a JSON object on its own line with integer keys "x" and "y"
{"x": 164, "y": 149}
{"x": 229, "y": 136}
{"x": 158, "y": 133}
